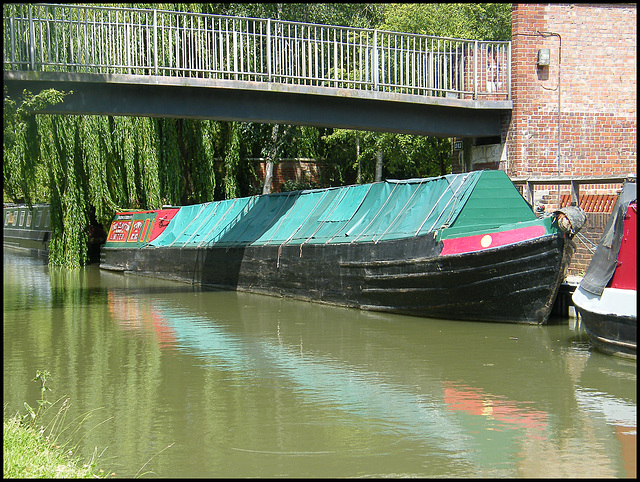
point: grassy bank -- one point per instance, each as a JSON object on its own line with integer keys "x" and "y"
{"x": 28, "y": 453}
{"x": 33, "y": 450}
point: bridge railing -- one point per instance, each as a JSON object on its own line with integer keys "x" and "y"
{"x": 112, "y": 40}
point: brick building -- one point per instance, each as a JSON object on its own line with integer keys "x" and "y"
{"x": 577, "y": 114}
{"x": 574, "y": 80}
{"x": 302, "y": 173}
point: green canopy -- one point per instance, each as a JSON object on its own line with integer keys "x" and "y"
{"x": 359, "y": 213}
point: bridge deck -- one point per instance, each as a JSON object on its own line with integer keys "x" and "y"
{"x": 123, "y": 61}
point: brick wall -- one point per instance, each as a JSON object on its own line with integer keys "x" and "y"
{"x": 297, "y": 170}
{"x": 586, "y": 242}
{"x": 583, "y": 105}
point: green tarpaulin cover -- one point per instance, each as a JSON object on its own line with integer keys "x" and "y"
{"x": 359, "y": 213}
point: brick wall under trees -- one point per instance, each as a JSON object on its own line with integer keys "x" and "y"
{"x": 299, "y": 173}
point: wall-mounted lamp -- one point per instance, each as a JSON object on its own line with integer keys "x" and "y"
{"x": 544, "y": 57}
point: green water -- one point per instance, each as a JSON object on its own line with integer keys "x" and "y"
{"x": 189, "y": 383}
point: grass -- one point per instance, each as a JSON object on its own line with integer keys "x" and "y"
{"x": 33, "y": 450}
{"x": 27, "y": 453}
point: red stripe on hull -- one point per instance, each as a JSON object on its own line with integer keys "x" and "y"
{"x": 480, "y": 242}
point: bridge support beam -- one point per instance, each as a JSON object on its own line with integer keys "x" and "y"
{"x": 99, "y": 94}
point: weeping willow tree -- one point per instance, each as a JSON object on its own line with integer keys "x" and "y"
{"x": 232, "y": 161}
{"x": 88, "y": 167}
{"x": 22, "y": 174}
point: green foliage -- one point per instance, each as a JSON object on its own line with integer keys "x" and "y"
{"x": 293, "y": 185}
{"x": 362, "y": 15}
{"x": 21, "y": 173}
{"x": 31, "y": 416}
{"x": 232, "y": 161}
{"x": 28, "y": 453}
{"x": 170, "y": 157}
{"x": 404, "y": 156}
{"x": 198, "y": 153}
{"x": 473, "y": 21}
{"x": 92, "y": 166}
{"x": 147, "y": 158}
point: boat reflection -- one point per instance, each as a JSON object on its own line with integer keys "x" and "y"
{"x": 607, "y": 390}
{"x": 472, "y": 424}
{"x": 501, "y": 412}
{"x": 137, "y": 315}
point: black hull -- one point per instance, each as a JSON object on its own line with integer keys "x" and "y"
{"x": 35, "y": 242}
{"x": 515, "y": 284}
{"x": 611, "y": 334}
{"x": 28, "y": 230}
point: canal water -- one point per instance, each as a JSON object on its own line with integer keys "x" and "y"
{"x": 179, "y": 382}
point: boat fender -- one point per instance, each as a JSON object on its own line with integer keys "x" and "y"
{"x": 570, "y": 219}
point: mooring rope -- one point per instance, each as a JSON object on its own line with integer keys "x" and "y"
{"x": 583, "y": 238}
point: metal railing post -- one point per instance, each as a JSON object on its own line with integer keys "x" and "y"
{"x": 32, "y": 41}
{"x": 127, "y": 47}
{"x": 335, "y": 58}
{"x": 269, "y": 68}
{"x": 13, "y": 41}
{"x": 155, "y": 41}
{"x": 475, "y": 71}
{"x": 235, "y": 51}
{"x": 375, "y": 60}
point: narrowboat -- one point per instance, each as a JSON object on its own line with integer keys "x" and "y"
{"x": 27, "y": 229}
{"x": 605, "y": 299}
{"x": 460, "y": 246}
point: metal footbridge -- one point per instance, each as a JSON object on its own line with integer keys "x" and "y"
{"x": 149, "y": 62}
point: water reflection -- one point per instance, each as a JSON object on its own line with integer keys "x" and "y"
{"x": 471, "y": 435}
{"x": 319, "y": 380}
{"x": 248, "y": 385}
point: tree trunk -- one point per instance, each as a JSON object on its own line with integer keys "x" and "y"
{"x": 271, "y": 154}
{"x": 379, "y": 165}
{"x": 359, "y": 178}
{"x": 268, "y": 177}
